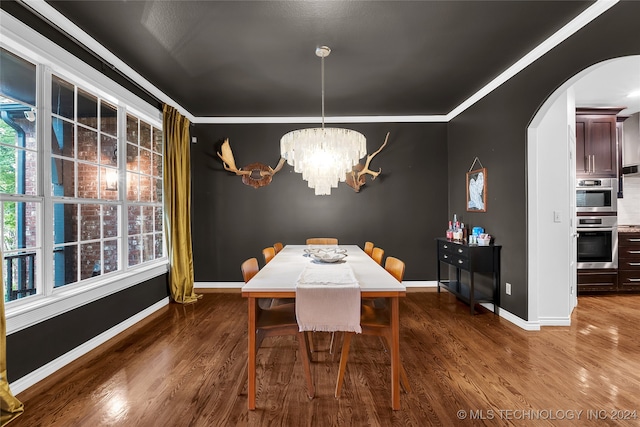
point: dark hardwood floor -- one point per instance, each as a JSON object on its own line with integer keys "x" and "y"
{"x": 181, "y": 367}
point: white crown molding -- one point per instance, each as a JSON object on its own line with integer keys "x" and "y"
{"x": 588, "y": 15}
{"x": 331, "y": 119}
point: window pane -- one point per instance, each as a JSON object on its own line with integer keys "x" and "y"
{"x": 87, "y": 144}
{"x": 157, "y": 190}
{"x": 145, "y": 188}
{"x": 87, "y": 181}
{"x": 147, "y": 251}
{"x": 18, "y": 225}
{"x": 17, "y": 124}
{"x": 134, "y": 220}
{"x": 145, "y": 161}
{"x": 87, "y": 109}
{"x": 157, "y": 140}
{"x": 145, "y": 135}
{"x": 62, "y": 96}
{"x": 158, "y": 218}
{"x": 17, "y": 78}
{"x": 110, "y": 256}
{"x": 65, "y": 223}
{"x": 132, "y": 157}
{"x": 157, "y": 165}
{"x": 110, "y": 225}
{"x": 108, "y": 119}
{"x": 90, "y": 223}
{"x": 90, "y": 260}
{"x": 108, "y": 150}
{"x": 132, "y": 129}
{"x": 109, "y": 183}
{"x": 134, "y": 250}
{"x": 62, "y": 137}
{"x": 19, "y": 275}
{"x": 158, "y": 243}
{"x": 147, "y": 219}
{"x": 133, "y": 186}
{"x": 65, "y": 265}
{"x": 31, "y": 173}
{"x": 8, "y": 170}
{"x": 63, "y": 178}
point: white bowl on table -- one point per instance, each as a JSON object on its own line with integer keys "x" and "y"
{"x": 333, "y": 254}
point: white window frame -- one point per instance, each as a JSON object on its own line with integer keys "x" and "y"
{"x": 51, "y": 58}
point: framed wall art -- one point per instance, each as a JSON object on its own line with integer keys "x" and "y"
{"x": 477, "y": 190}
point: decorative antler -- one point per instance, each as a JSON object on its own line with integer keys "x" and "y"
{"x": 272, "y": 172}
{"x": 256, "y": 174}
{"x": 356, "y": 178}
{"x": 227, "y": 159}
{"x": 369, "y": 157}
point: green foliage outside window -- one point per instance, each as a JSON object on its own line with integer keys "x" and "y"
{"x": 8, "y": 182}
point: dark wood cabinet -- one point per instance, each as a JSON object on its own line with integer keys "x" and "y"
{"x": 629, "y": 261}
{"x": 596, "y": 142}
{"x": 470, "y": 259}
{"x": 597, "y": 280}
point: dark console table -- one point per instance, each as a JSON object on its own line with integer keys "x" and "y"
{"x": 472, "y": 259}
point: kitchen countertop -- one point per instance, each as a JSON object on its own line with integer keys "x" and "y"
{"x": 629, "y": 229}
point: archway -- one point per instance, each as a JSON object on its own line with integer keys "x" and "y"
{"x": 550, "y": 195}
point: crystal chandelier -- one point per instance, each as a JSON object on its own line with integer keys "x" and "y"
{"x": 323, "y": 155}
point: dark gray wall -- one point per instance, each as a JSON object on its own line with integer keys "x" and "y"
{"x": 495, "y": 130}
{"x": 402, "y": 211}
{"x": 37, "y": 345}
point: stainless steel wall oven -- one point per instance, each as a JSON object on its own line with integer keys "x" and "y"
{"x": 597, "y": 195}
{"x": 597, "y": 242}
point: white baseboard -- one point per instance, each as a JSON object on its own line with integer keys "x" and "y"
{"x": 555, "y": 321}
{"x": 524, "y": 324}
{"x": 41, "y": 373}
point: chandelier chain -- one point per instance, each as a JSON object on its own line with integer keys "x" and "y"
{"x": 322, "y": 77}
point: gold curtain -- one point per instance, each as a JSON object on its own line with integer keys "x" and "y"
{"x": 177, "y": 204}
{"x": 10, "y": 406}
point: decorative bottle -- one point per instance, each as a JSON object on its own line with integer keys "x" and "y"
{"x": 450, "y": 231}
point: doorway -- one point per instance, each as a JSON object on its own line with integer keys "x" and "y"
{"x": 551, "y": 230}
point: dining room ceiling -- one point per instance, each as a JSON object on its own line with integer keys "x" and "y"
{"x": 257, "y": 58}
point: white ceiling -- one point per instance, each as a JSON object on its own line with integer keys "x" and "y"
{"x": 609, "y": 85}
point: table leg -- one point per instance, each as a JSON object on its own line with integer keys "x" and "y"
{"x": 251, "y": 354}
{"x": 395, "y": 354}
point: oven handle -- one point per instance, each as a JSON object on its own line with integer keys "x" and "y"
{"x": 595, "y": 229}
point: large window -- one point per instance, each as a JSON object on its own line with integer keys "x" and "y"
{"x": 84, "y": 170}
{"x": 144, "y": 191}
{"x": 84, "y": 204}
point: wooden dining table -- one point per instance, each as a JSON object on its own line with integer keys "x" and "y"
{"x": 278, "y": 279}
